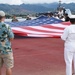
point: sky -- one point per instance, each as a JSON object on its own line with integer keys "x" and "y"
{"x": 17, "y": 2}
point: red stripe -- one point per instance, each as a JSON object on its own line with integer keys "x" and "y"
{"x": 21, "y": 33}
{"x": 66, "y": 23}
{"x": 39, "y": 30}
{"x": 53, "y": 27}
{"x": 25, "y": 33}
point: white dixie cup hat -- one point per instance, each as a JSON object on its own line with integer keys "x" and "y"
{"x": 72, "y": 16}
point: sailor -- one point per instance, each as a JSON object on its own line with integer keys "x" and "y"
{"x": 28, "y": 17}
{"x": 69, "y": 47}
{"x": 67, "y": 17}
{"x": 14, "y": 19}
{"x": 60, "y": 13}
{"x": 62, "y": 18}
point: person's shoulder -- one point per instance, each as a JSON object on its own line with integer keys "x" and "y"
{"x": 70, "y": 27}
{"x": 6, "y": 25}
{"x": 67, "y": 27}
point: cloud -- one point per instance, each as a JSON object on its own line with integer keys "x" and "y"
{"x": 47, "y": 1}
{"x": 33, "y": 1}
{"x": 11, "y": 1}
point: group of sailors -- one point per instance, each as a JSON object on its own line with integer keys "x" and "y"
{"x": 59, "y": 15}
{"x": 14, "y": 18}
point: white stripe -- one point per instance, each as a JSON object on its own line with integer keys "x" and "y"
{"x": 31, "y": 32}
{"x": 36, "y": 35}
{"x": 58, "y": 25}
{"x": 47, "y": 29}
{"x": 33, "y": 35}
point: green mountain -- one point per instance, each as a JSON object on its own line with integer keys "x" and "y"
{"x": 33, "y": 8}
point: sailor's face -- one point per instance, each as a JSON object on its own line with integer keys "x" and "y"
{"x": 14, "y": 17}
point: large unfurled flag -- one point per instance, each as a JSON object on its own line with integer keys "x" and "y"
{"x": 40, "y": 27}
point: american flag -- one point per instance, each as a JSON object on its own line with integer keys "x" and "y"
{"x": 40, "y": 27}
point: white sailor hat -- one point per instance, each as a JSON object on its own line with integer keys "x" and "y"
{"x": 72, "y": 17}
{"x": 2, "y": 13}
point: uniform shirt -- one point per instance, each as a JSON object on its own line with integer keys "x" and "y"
{"x": 5, "y": 34}
{"x": 69, "y": 36}
{"x": 60, "y": 13}
{"x": 63, "y": 19}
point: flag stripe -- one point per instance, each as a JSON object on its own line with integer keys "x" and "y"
{"x": 44, "y": 27}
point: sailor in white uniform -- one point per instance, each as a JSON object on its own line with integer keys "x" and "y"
{"x": 69, "y": 47}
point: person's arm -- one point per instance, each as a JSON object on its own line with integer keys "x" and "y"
{"x": 10, "y": 34}
{"x": 65, "y": 34}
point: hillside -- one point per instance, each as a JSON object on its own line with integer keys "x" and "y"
{"x": 33, "y": 8}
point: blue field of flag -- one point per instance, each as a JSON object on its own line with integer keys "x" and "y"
{"x": 36, "y": 22}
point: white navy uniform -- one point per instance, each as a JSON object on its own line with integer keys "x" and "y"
{"x": 69, "y": 48}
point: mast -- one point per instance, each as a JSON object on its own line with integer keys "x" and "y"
{"x": 59, "y": 3}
